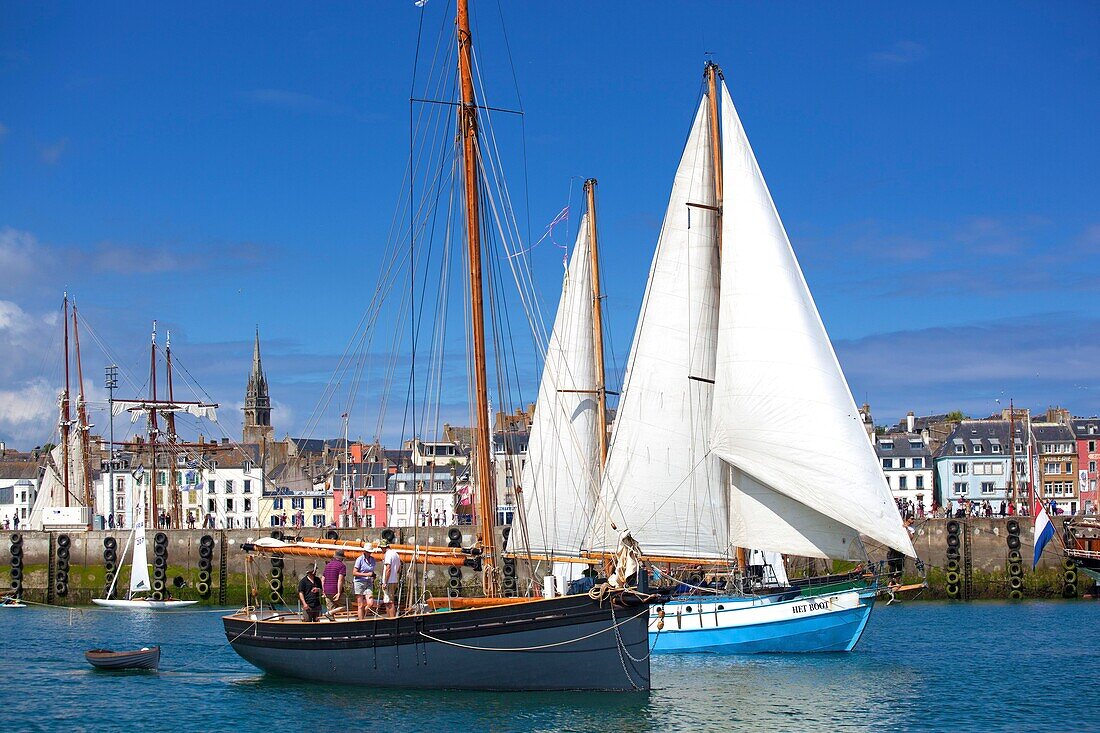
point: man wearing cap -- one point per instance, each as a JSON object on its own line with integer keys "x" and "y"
{"x": 362, "y": 576}
{"x": 334, "y": 573}
{"x": 309, "y": 594}
{"x": 391, "y": 575}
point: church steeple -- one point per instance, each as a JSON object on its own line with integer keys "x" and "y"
{"x": 257, "y": 402}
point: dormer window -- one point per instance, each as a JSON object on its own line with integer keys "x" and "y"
{"x": 916, "y": 444}
{"x": 960, "y": 449}
{"x": 995, "y": 448}
{"x": 886, "y": 444}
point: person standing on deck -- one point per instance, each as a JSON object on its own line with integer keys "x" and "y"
{"x": 334, "y": 573}
{"x": 309, "y": 594}
{"x": 391, "y": 575}
{"x": 362, "y": 575}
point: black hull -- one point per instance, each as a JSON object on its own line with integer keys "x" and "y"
{"x": 568, "y": 643}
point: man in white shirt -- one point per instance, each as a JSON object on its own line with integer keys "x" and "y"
{"x": 391, "y": 576}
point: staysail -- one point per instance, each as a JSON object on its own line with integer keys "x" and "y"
{"x": 660, "y": 481}
{"x": 139, "y": 571}
{"x": 52, "y": 491}
{"x": 560, "y": 477}
{"x": 805, "y": 478}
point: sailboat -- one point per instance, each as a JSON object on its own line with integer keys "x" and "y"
{"x": 586, "y": 641}
{"x": 730, "y": 366}
{"x": 64, "y": 498}
{"x": 139, "y": 569}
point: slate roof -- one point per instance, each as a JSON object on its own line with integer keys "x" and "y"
{"x": 977, "y": 437}
{"x": 1052, "y": 433}
{"x": 1086, "y": 427}
{"x": 901, "y": 446}
{"x": 19, "y": 470}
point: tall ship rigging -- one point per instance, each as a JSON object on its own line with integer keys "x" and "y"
{"x": 594, "y": 641}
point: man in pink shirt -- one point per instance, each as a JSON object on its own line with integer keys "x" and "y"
{"x": 333, "y": 583}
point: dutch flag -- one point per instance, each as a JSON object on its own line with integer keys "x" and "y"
{"x": 1044, "y": 530}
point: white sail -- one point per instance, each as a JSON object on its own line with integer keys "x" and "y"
{"x": 139, "y": 572}
{"x": 560, "y": 477}
{"x": 54, "y": 504}
{"x": 660, "y": 482}
{"x": 784, "y": 415}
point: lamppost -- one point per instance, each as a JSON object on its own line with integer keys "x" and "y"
{"x": 111, "y": 382}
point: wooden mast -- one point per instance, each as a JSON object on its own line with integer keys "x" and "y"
{"x": 65, "y": 407}
{"x": 713, "y": 72}
{"x": 469, "y": 131}
{"x": 153, "y": 430}
{"x": 597, "y": 320}
{"x": 170, "y": 419}
{"x": 82, "y": 422}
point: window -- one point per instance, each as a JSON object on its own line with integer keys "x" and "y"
{"x": 960, "y": 488}
{"x": 889, "y": 485}
{"x": 210, "y": 486}
{"x": 318, "y": 520}
{"x": 959, "y": 469}
{"x": 1068, "y": 467}
{"x": 1050, "y": 468}
{"x": 402, "y": 506}
{"x": 229, "y": 486}
{"x": 370, "y": 520}
{"x": 1092, "y": 466}
{"x": 887, "y": 462}
{"x": 903, "y": 483}
{"x": 960, "y": 449}
{"x": 275, "y": 521}
{"x": 162, "y": 478}
{"x": 886, "y": 444}
{"x": 988, "y": 488}
{"x": 248, "y": 522}
{"x": 297, "y": 503}
{"x": 318, "y": 502}
{"x": 277, "y": 503}
{"x": 247, "y": 467}
{"x": 916, "y": 444}
{"x": 229, "y": 505}
{"x": 248, "y": 505}
{"x": 209, "y": 505}
{"x": 120, "y": 503}
{"x": 920, "y": 482}
{"x": 1092, "y": 446}
{"x": 995, "y": 448}
{"x": 918, "y": 463}
{"x": 901, "y": 464}
{"x": 439, "y": 484}
{"x": 976, "y": 446}
{"x": 368, "y": 502}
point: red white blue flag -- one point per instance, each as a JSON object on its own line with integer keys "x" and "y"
{"x": 1044, "y": 530}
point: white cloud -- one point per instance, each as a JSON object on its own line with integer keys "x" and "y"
{"x": 51, "y": 154}
{"x": 27, "y": 413}
{"x": 902, "y": 52}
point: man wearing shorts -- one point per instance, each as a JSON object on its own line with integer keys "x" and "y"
{"x": 362, "y": 574}
{"x": 391, "y": 575}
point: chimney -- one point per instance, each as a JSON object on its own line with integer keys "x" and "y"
{"x": 225, "y": 441}
{"x": 910, "y": 422}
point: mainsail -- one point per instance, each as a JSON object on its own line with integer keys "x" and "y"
{"x": 560, "y": 477}
{"x": 805, "y": 477}
{"x": 660, "y": 480}
{"x": 139, "y": 572}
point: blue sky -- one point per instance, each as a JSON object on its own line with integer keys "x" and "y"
{"x": 217, "y": 168}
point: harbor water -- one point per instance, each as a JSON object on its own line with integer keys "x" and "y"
{"x": 989, "y": 666}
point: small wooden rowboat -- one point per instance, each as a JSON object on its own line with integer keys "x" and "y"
{"x": 144, "y": 658}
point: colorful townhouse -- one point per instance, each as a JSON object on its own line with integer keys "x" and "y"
{"x": 1086, "y": 432}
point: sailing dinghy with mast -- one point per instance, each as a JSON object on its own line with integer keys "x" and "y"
{"x": 591, "y": 641}
{"x": 731, "y": 361}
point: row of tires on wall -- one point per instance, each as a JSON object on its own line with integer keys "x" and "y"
{"x": 953, "y": 569}
{"x": 206, "y": 565}
{"x": 1015, "y": 565}
{"x": 17, "y": 564}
